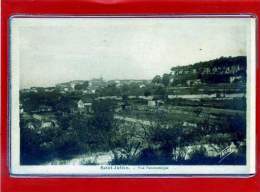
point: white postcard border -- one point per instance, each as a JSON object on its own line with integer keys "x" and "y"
{"x": 14, "y": 149}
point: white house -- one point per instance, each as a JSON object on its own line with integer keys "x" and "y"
{"x": 151, "y": 103}
{"x": 80, "y": 104}
{"x": 84, "y": 106}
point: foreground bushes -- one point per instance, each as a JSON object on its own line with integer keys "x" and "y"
{"x": 74, "y": 134}
{"x": 130, "y": 142}
{"x": 149, "y": 156}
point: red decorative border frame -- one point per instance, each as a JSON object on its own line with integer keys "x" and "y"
{"x": 119, "y": 7}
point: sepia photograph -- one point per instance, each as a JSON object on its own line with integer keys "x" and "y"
{"x": 129, "y": 95}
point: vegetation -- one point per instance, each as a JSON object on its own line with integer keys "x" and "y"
{"x": 138, "y": 121}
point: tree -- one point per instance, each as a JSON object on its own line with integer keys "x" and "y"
{"x": 147, "y": 93}
{"x": 160, "y": 91}
{"x": 65, "y": 104}
{"x": 166, "y": 79}
{"x": 82, "y": 86}
{"x": 110, "y": 90}
{"x": 157, "y": 79}
{"x": 103, "y": 114}
{"x": 125, "y": 90}
{"x": 168, "y": 139}
{"x": 128, "y": 139}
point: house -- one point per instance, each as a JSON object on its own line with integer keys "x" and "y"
{"x": 142, "y": 86}
{"x": 188, "y": 124}
{"x": 189, "y": 82}
{"x": 151, "y": 103}
{"x": 80, "y": 104}
{"x": 159, "y": 102}
{"x": 193, "y": 82}
{"x": 146, "y": 97}
{"x": 84, "y": 106}
{"x": 30, "y": 125}
{"x": 89, "y": 91}
{"x": 49, "y": 89}
{"x": 132, "y": 97}
{"x": 47, "y": 124}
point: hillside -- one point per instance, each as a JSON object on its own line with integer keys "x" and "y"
{"x": 222, "y": 70}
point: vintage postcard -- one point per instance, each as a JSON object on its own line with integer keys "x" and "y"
{"x": 132, "y": 95}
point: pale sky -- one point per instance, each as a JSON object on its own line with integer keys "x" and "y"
{"x": 58, "y": 50}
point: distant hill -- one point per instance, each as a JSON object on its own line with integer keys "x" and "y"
{"x": 221, "y": 70}
{"x": 201, "y": 77}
